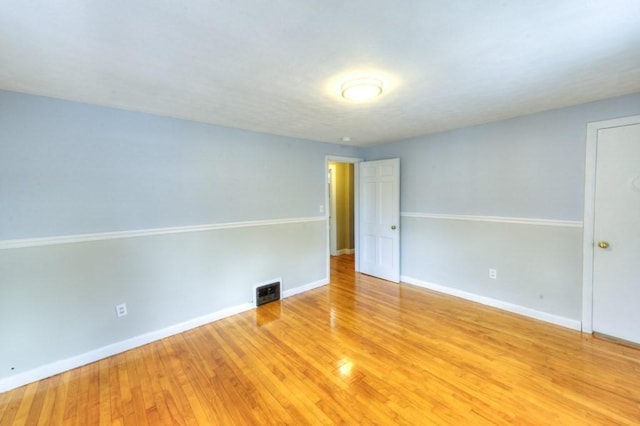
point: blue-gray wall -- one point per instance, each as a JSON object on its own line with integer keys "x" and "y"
{"x": 531, "y": 166}
{"x": 68, "y": 168}
{"x": 461, "y": 190}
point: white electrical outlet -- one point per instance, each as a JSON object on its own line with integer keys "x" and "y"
{"x": 493, "y": 274}
{"x": 121, "y": 310}
{"x": 321, "y": 208}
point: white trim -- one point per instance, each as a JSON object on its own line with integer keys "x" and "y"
{"x": 343, "y": 251}
{"x": 339, "y": 159}
{"x": 497, "y": 219}
{"x": 302, "y": 289}
{"x": 61, "y": 366}
{"x": 356, "y": 205}
{"x": 506, "y": 306}
{"x": 589, "y": 212}
{"x": 81, "y": 238}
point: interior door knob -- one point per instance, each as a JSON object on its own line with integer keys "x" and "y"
{"x": 393, "y": 227}
{"x": 603, "y": 244}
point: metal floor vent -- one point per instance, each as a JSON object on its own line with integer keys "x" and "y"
{"x": 267, "y": 293}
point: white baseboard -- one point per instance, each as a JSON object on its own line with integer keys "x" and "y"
{"x": 302, "y": 289}
{"x": 343, "y": 251}
{"x": 61, "y": 366}
{"x": 521, "y": 310}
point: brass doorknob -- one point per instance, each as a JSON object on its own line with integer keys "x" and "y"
{"x": 393, "y": 227}
{"x": 603, "y": 244}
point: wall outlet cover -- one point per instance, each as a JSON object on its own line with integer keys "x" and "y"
{"x": 121, "y": 310}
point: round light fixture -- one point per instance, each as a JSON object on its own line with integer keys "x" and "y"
{"x": 361, "y": 89}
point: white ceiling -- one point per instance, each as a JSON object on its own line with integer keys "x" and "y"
{"x": 275, "y": 66}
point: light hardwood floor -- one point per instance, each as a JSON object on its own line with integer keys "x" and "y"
{"x": 359, "y": 351}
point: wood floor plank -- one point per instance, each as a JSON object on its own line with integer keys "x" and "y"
{"x": 11, "y": 401}
{"x": 61, "y": 389}
{"x": 28, "y": 402}
{"x": 104, "y": 397}
{"x": 52, "y": 399}
{"x": 36, "y": 411}
{"x": 359, "y": 351}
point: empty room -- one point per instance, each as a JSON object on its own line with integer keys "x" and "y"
{"x": 305, "y": 212}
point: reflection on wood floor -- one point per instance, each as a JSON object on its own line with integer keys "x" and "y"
{"x": 359, "y": 351}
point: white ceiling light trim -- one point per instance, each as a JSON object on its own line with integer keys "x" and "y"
{"x": 342, "y": 85}
{"x": 361, "y": 89}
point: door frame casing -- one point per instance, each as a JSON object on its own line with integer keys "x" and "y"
{"x": 356, "y": 204}
{"x": 589, "y": 213}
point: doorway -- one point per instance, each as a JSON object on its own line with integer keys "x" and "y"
{"x": 342, "y": 208}
{"x": 612, "y": 229}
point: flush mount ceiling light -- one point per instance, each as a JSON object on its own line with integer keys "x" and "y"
{"x": 361, "y": 89}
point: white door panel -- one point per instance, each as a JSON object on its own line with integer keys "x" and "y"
{"x": 369, "y": 249}
{"x": 386, "y": 252}
{"x": 616, "y": 268}
{"x": 369, "y": 202}
{"x": 387, "y": 210}
{"x": 380, "y": 218}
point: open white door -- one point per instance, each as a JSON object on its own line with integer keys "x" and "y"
{"x": 379, "y": 194}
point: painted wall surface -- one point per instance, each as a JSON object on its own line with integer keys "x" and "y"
{"x": 526, "y": 167}
{"x": 539, "y": 267}
{"x": 349, "y": 189}
{"x": 68, "y": 168}
{"x": 344, "y": 205}
{"x": 531, "y": 166}
{"x": 58, "y": 301}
